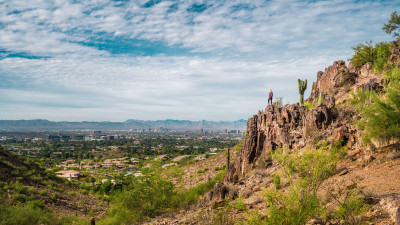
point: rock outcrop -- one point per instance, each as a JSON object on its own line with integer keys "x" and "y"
{"x": 288, "y": 127}
{"x": 295, "y": 126}
{"x": 332, "y": 81}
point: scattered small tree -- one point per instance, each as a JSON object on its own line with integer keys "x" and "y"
{"x": 302, "y": 88}
{"x": 393, "y": 25}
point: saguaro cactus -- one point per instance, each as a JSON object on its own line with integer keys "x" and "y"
{"x": 228, "y": 159}
{"x": 302, "y": 88}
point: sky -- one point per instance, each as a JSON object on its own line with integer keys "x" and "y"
{"x": 114, "y": 60}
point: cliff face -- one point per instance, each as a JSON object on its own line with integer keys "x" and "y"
{"x": 295, "y": 126}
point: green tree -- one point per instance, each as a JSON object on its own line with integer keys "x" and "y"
{"x": 393, "y": 26}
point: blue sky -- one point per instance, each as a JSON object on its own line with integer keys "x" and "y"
{"x": 104, "y": 60}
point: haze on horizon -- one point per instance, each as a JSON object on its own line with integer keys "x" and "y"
{"x": 105, "y": 60}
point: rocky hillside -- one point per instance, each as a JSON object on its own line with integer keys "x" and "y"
{"x": 353, "y": 183}
{"x": 22, "y": 181}
{"x": 327, "y": 115}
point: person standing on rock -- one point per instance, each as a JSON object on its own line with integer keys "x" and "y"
{"x": 270, "y": 96}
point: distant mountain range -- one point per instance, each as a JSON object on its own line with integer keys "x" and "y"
{"x": 31, "y": 125}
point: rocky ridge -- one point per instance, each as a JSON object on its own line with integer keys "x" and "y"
{"x": 299, "y": 128}
{"x": 295, "y": 126}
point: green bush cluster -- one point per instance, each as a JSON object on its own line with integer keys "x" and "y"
{"x": 240, "y": 204}
{"x": 377, "y": 55}
{"x": 240, "y": 145}
{"x": 311, "y": 104}
{"x": 147, "y": 196}
{"x": 277, "y": 181}
{"x": 300, "y": 203}
{"x": 380, "y": 112}
{"x": 33, "y": 212}
{"x": 151, "y": 195}
{"x": 55, "y": 196}
{"x": 218, "y": 168}
{"x": 193, "y": 194}
{"x": 202, "y": 170}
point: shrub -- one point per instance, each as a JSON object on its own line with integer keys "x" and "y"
{"x": 239, "y": 146}
{"x": 37, "y": 178}
{"x": 193, "y": 194}
{"x": 296, "y": 207}
{"x": 337, "y": 151}
{"x": 31, "y": 190}
{"x": 37, "y": 204}
{"x": 72, "y": 193}
{"x": 174, "y": 172}
{"x": 33, "y": 212}
{"x": 300, "y": 202}
{"x": 19, "y": 214}
{"x": 254, "y": 217}
{"x": 381, "y": 114}
{"x": 377, "y": 55}
{"x": 381, "y": 56}
{"x": 309, "y": 105}
{"x": 239, "y": 204}
{"x": 30, "y": 173}
{"x": 43, "y": 192}
{"x": 279, "y": 101}
{"x": 19, "y": 188}
{"x": 147, "y": 196}
{"x": 55, "y": 196}
{"x": 217, "y": 168}
{"x": 350, "y": 207}
{"x": 15, "y": 172}
{"x": 19, "y": 197}
{"x": 277, "y": 181}
{"x": 363, "y": 53}
{"x": 106, "y": 187}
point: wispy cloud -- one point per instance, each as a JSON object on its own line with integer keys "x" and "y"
{"x": 170, "y": 59}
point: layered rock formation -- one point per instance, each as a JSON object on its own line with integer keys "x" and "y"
{"x": 288, "y": 127}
